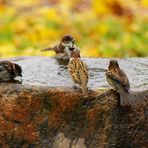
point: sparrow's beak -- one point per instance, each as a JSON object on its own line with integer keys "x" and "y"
{"x": 71, "y": 48}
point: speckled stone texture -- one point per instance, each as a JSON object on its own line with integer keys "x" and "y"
{"x": 45, "y": 116}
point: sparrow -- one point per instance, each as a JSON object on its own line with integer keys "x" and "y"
{"x": 119, "y": 81}
{"x": 61, "y": 49}
{"x": 78, "y": 71}
{"x": 8, "y": 71}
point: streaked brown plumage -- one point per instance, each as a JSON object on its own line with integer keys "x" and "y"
{"x": 61, "y": 49}
{"x": 9, "y": 70}
{"x": 119, "y": 81}
{"x": 78, "y": 71}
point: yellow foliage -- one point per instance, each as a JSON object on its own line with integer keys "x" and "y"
{"x": 21, "y": 25}
{"x": 25, "y": 2}
{"x": 90, "y": 52}
{"x": 50, "y": 14}
{"x": 102, "y": 29}
{"x": 99, "y": 6}
{"x": 144, "y": 3}
{"x": 7, "y": 50}
{"x": 126, "y": 39}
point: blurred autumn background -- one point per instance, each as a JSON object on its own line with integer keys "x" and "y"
{"x": 102, "y": 28}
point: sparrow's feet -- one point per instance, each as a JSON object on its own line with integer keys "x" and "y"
{"x": 75, "y": 87}
{"x": 112, "y": 90}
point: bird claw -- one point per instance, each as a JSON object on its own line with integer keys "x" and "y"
{"x": 112, "y": 90}
{"x": 76, "y": 87}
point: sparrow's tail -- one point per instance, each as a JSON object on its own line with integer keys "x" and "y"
{"x": 84, "y": 90}
{"x": 84, "y": 82}
{"x": 47, "y": 49}
{"x": 131, "y": 98}
{"x": 126, "y": 98}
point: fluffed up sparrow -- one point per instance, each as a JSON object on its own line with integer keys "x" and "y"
{"x": 8, "y": 71}
{"x": 61, "y": 49}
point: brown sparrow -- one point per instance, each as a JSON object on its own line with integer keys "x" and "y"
{"x": 61, "y": 49}
{"x": 119, "y": 81}
{"x": 78, "y": 71}
{"x": 8, "y": 71}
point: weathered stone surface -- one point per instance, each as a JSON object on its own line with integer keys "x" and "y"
{"x": 58, "y": 117}
{"x": 34, "y": 114}
{"x": 51, "y": 72}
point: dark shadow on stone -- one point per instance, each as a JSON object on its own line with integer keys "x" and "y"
{"x": 12, "y": 81}
{"x": 62, "y": 62}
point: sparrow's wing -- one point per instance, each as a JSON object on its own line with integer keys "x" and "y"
{"x": 78, "y": 71}
{"x": 8, "y": 65}
{"x": 57, "y": 48}
{"x": 84, "y": 72}
{"x": 4, "y": 74}
{"x": 50, "y": 48}
{"x": 118, "y": 75}
{"x": 10, "y": 68}
{"x": 73, "y": 70}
